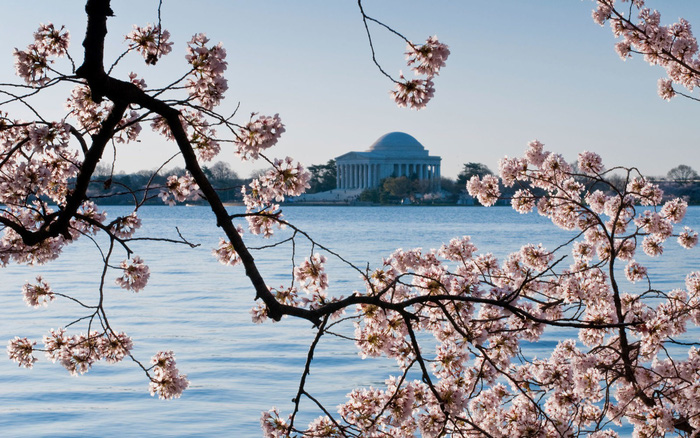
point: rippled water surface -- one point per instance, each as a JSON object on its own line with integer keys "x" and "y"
{"x": 199, "y": 309}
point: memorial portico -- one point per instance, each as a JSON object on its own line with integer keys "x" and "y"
{"x": 394, "y": 154}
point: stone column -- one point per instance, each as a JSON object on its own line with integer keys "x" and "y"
{"x": 431, "y": 174}
{"x": 438, "y": 177}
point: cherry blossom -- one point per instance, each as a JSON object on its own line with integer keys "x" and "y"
{"x": 311, "y": 274}
{"x": 37, "y": 295}
{"x": 590, "y": 163}
{"x": 20, "y": 350}
{"x": 258, "y": 135}
{"x": 125, "y": 227}
{"x": 206, "y": 82}
{"x": 486, "y": 190}
{"x": 150, "y": 41}
{"x": 413, "y": 93}
{"x": 180, "y": 189}
{"x": 32, "y": 64}
{"x": 167, "y": 381}
{"x": 114, "y": 347}
{"x": 135, "y": 275}
{"x": 226, "y": 254}
{"x": 428, "y": 58}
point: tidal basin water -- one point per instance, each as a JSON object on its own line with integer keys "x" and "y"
{"x": 200, "y": 309}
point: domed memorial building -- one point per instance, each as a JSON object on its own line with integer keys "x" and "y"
{"x": 393, "y": 155}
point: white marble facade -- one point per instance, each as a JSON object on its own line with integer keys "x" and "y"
{"x": 393, "y": 155}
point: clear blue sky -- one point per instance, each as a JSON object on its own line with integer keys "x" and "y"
{"x": 519, "y": 70}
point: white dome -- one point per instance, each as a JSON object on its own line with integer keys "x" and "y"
{"x": 396, "y": 143}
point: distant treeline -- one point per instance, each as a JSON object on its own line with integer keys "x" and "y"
{"x": 127, "y": 188}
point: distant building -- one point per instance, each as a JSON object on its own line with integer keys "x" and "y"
{"x": 393, "y": 155}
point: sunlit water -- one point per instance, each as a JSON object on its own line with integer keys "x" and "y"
{"x": 200, "y": 309}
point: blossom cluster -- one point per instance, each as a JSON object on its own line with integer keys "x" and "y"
{"x": 75, "y": 353}
{"x": 480, "y": 310}
{"x": 258, "y": 135}
{"x": 124, "y": 227}
{"x": 38, "y": 169}
{"x": 226, "y": 254}
{"x": 135, "y": 274}
{"x": 285, "y": 179}
{"x": 201, "y": 135}
{"x": 425, "y": 59}
{"x": 206, "y": 82}
{"x": 33, "y": 64}
{"x": 673, "y": 47}
{"x": 89, "y": 114}
{"x": 311, "y": 274}
{"x": 150, "y": 41}
{"x": 37, "y": 295}
{"x": 167, "y": 381}
{"x": 180, "y": 189}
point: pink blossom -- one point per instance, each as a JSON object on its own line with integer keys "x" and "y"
{"x": 511, "y": 169}
{"x": 414, "y": 93}
{"x": 258, "y": 135}
{"x": 665, "y": 89}
{"x": 674, "y": 210}
{"x": 226, "y": 254}
{"x": 32, "y": 64}
{"x": 37, "y": 295}
{"x": 272, "y": 425}
{"x": 135, "y": 276}
{"x": 535, "y": 153}
{"x": 536, "y": 257}
{"x": 635, "y": 272}
{"x": 623, "y": 49}
{"x": 258, "y": 314}
{"x": 114, "y": 347}
{"x": 52, "y": 41}
{"x": 167, "y": 381}
{"x": 20, "y": 350}
{"x": 150, "y": 41}
{"x": 459, "y": 250}
{"x": 523, "y": 201}
{"x": 89, "y": 114}
{"x": 485, "y": 190}
{"x": 125, "y": 227}
{"x": 688, "y": 238}
{"x": 652, "y": 246}
{"x": 201, "y": 135}
{"x": 311, "y": 274}
{"x": 56, "y": 344}
{"x": 590, "y": 163}
{"x": 263, "y": 222}
{"x": 597, "y": 201}
{"x": 80, "y": 352}
{"x": 602, "y": 13}
{"x": 583, "y": 250}
{"x": 180, "y": 189}
{"x": 427, "y": 59}
{"x": 128, "y": 129}
{"x": 139, "y": 82}
{"x": 206, "y": 83}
